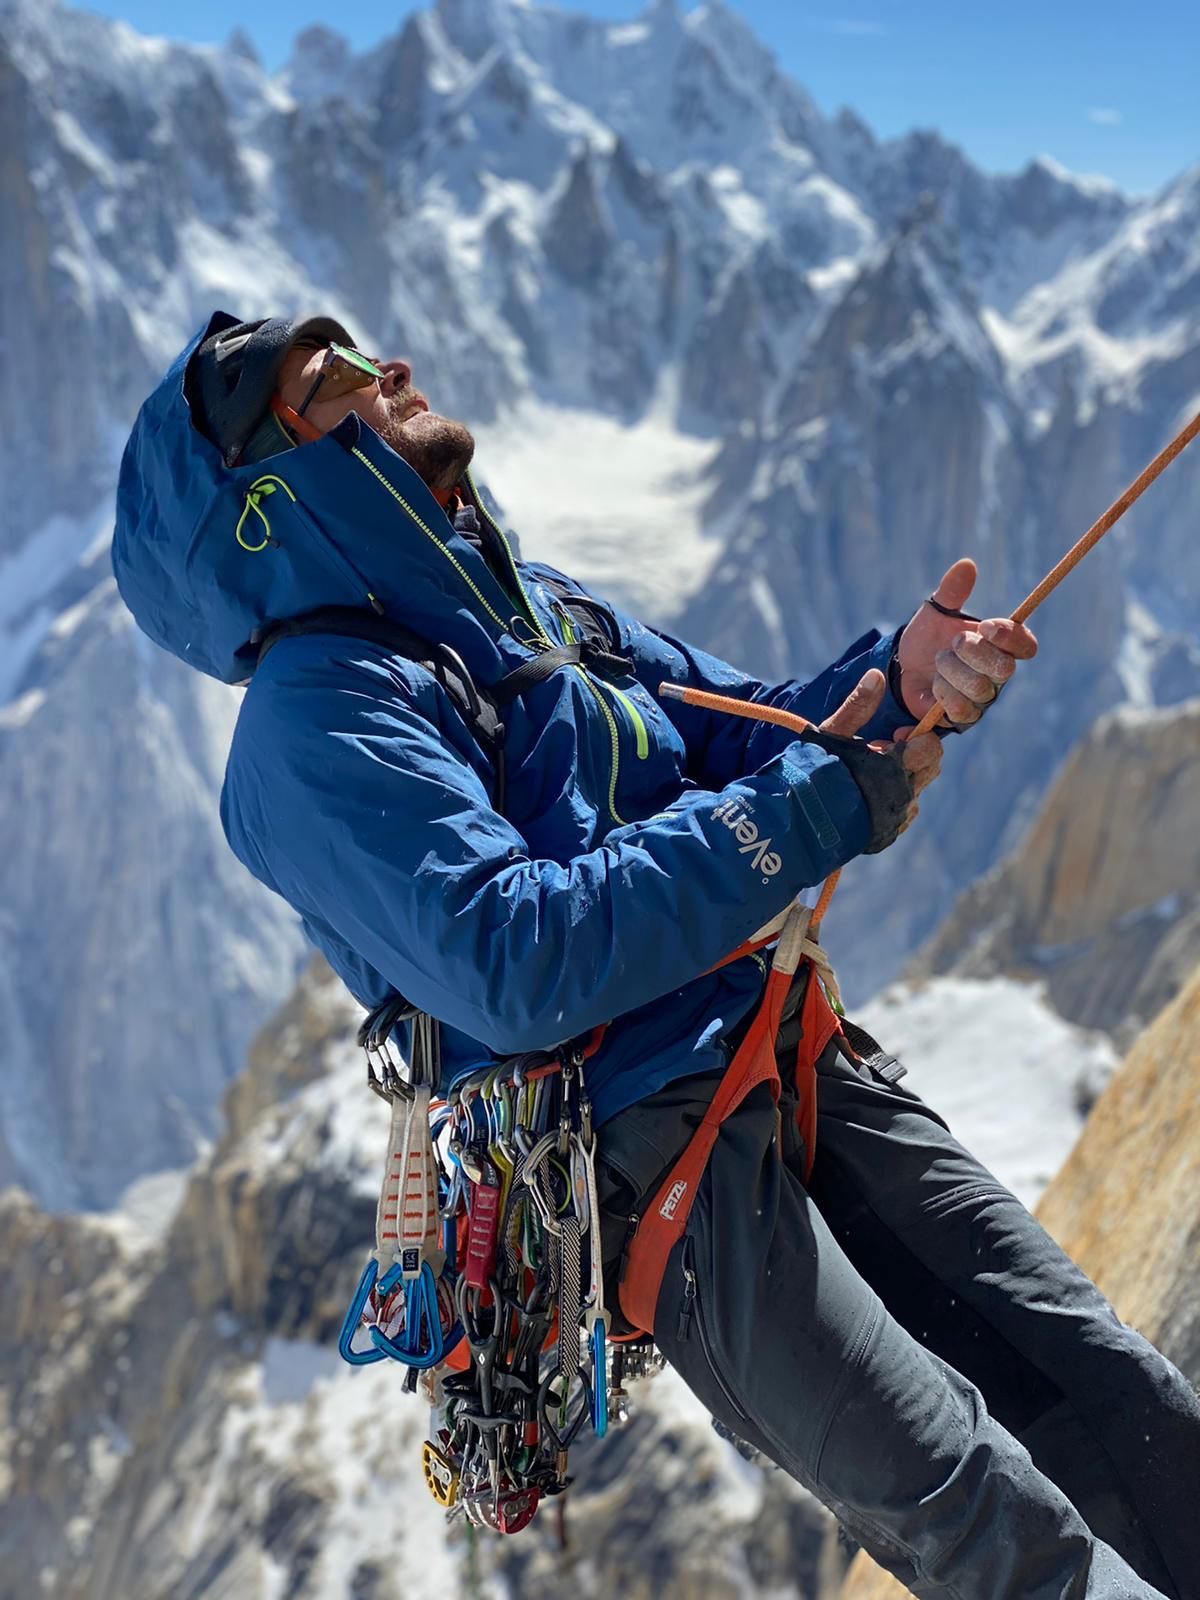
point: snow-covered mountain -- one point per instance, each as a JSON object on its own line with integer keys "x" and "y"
{"x": 923, "y": 422}
{"x": 820, "y": 365}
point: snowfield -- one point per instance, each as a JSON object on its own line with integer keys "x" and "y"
{"x": 615, "y": 505}
{"x": 1011, "y": 1078}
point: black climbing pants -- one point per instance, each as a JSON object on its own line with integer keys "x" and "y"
{"x": 903, "y": 1338}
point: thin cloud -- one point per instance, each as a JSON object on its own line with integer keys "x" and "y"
{"x": 1105, "y": 116}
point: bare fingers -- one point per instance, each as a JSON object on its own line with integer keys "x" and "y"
{"x": 922, "y": 758}
{"x": 963, "y": 693}
{"x": 1013, "y": 638}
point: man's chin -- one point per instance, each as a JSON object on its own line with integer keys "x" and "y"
{"x": 438, "y": 449}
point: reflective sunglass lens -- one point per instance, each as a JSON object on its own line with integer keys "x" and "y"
{"x": 357, "y": 360}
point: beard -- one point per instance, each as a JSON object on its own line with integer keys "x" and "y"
{"x": 437, "y": 449}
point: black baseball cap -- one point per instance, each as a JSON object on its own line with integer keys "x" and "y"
{"x": 235, "y": 371}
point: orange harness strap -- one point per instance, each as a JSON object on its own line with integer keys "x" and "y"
{"x": 754, "y": 1063}
{"x": 819, "y": 1022}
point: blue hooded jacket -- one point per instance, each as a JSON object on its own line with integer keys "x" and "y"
{"x": 642, "y": 840}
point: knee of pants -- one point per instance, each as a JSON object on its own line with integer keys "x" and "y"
{"x": 898, "y": 1426}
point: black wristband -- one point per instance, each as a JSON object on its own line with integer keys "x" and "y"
{"x": 947, "y": 611}
{"x": 894, "y": 675}
{"x": 883, "y": 782}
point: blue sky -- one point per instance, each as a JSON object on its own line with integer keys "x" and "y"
{"x": 1105, "y": 86}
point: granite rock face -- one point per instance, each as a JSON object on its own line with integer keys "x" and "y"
{"x": 1101, "y": 898}
{"x": 1126, "y": 1202}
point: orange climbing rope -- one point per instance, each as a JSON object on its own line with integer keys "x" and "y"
{"x": 798, "y": 724}
{"x": 782, "y": 719}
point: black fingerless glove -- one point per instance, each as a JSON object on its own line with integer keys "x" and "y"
{"x": 883, "y": 782}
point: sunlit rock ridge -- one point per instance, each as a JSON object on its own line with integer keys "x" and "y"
{"x": 1100, "y": 901}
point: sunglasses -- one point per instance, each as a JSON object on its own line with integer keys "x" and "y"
{"x": 341, "y": 372}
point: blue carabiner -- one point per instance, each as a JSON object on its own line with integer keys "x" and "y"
{"x": 454, "y": 1188}
{"x": 599, "y": 1381}
{"x": 422, "y": 1343}
{"x": 353, "y": 1319}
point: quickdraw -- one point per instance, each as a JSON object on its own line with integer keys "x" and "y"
{"x": 403, "y": 1303}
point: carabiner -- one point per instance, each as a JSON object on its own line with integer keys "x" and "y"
{"x": 369, "y": 1281}
{"x": 562, "y": 1441}
{"x": 598, "y": 1340}
{"x": 424, "y": 1342}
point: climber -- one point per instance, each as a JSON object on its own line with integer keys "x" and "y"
{"x": 897, "y": 1332}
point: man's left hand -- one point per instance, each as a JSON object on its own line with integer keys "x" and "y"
{"x": 961, "y": 662}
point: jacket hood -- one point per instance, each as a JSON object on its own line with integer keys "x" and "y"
{"x": 209, "y": 558}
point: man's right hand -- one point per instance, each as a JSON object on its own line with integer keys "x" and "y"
{"x": 890, "y": 775}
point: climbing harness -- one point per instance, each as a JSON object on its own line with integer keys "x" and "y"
{"x": 755, "y": 1062}
{"x": 488, "y": 1263}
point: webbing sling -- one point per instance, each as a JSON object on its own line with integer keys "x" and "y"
{"x": 753, "y": 1063}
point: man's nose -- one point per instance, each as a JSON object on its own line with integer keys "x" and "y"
{"x": 399, "y": 375}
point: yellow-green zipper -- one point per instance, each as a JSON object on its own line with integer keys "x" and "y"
{"x": 449, "y": 554}
{"x": 641, "y": 734}
{"x": 614, "y": 734}
{"x": 643, "y": 742}
{"x": 639, "y": 727}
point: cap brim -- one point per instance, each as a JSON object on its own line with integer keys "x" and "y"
{"x": 319, "y": 330}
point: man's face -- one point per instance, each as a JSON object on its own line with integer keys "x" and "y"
{"x": 437, "y": 449}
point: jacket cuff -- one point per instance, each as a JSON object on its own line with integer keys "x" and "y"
{"x": 892, "y": 714}
{"x": 830, "y": 802}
